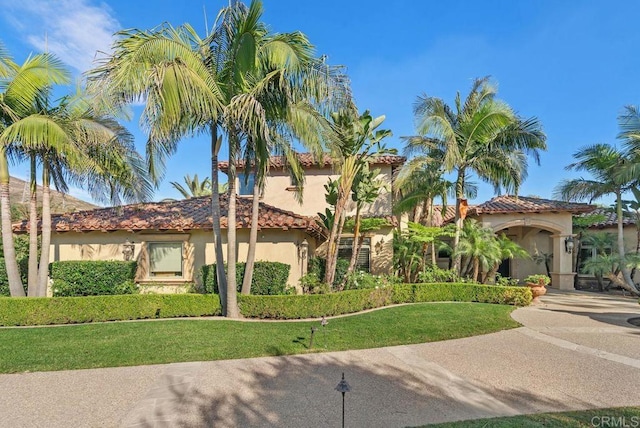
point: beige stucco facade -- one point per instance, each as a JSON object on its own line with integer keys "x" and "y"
{"x": 280, "y": 192}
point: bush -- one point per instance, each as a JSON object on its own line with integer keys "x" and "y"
{"x": 15, "y": 311}
{"x": 311, "y": 284}
{"x": 318, "y": 267}
{"x": 313, "y": 306}
{"x": 358, "y": 280}
{"x": 269, "y": 278}
{"x": 437, "y": 274}
{"x": 93, "y": 278}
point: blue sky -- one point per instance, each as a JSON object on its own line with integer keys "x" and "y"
{"x": 569, "y": 63}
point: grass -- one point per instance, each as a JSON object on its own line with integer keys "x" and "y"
{"x": 614, "y": 417}
{"x": 158, "y": 342}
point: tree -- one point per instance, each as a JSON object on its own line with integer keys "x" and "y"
{"x": 480, "y": 247}
{"x": 508, "y": 250}
{"x": 21, "y": 88}
{"x": 358, "y": 143}
{"x": 194, "y": 187}
{"x": 73, "y": 141}
{"x": 428, "y": 236}
{"x": 604, "y": 163}
{"x": 481, "y": 135}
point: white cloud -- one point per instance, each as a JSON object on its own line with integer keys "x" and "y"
{"x": 74, "y": 30}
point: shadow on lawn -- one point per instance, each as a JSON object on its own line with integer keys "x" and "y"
{"x": 298, "y": 391}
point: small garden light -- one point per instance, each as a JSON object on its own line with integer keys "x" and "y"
{"x": 343, "y": 387}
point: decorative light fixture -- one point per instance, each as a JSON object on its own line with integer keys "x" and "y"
{"x": 303, "y": 249}
{"x": 379, "y": 245}
{"x": 343, "y": 387}
{"x": 128, "y": 249}
{"x": 569, "y": 244}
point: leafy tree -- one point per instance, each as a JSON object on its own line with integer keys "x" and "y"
{"x": 481, "y": 135}
{"x": 358, "y": 142}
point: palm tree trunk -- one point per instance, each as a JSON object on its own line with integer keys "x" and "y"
{"x": 215, "y": 215}
{"x": 476, "y": 269}
{"x": 32, "y": 282}
{"x": 458, "y": 220}
{"x": 13, "y": 272}
{"x": 253, "y": 235}
{"x": 625, "y": 270}
{"x": 332, "y": 245}
{"x": 43, "y": 274}
{"x": 232, "y": 300}
{"x": 491, "y": 273}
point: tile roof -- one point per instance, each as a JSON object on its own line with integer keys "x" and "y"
{"x": 187, "y": 214}
{"x": 610, "y": 219}
{"x": 307, "y": 160}
{"x": 449, "y": 215}
{"x": 523, "y": 204}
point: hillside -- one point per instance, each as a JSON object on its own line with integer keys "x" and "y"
{"x": 60, "y": 203}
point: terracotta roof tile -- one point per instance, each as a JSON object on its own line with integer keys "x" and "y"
{"x": 188, "y": 214}
{"x": 307, "y": 160}
{"x": 610, "y": 219}
{"x": 523, "y": 204}
{"x": 449, "y": 214}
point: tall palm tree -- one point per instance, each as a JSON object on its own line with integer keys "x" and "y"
{"x": 22, "y": 87}
{"x": 606, "y": 164}
{"x": 73, "y": 142}
{"x": 194, "y": 187}
{"x": 481, "y": 136}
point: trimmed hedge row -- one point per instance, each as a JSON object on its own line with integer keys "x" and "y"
{"x": 93, "y": 278}
{"x": 269, "y": 278}
{"x": 72, "y": 310}
{"x": 313, "y": 306}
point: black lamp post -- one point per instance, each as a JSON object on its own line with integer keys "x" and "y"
{"x": 343, "y": 387}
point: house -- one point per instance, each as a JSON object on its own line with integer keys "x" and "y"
{"x": 540, "y": 226}
{"x": 172, "y": 240}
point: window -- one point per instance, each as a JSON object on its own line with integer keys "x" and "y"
{"x": 588, "y": 252}
{"x": 246, "y": 184}
{"x": 345, "y": 252}
{"x": 165, "y": 259}
{"x": 294, "y": 182}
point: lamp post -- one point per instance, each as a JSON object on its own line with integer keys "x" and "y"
{"x": 343, "y": 387}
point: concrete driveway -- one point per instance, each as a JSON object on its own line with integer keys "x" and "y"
{"x": 575, "y": 351}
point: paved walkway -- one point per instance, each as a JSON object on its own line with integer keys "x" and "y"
{"x": 575, "y": 351}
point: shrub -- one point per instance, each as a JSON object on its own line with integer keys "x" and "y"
{"x": 318, "y": 266}
{"x": 268, "y": 278}
{"x": 313, "y": 306}
{"x": 506, "y": 280}
{"x": 437, "y": 274}
{"x": 311, "y": 284}
{"x": 538, "y": 279}
{"x": 92, "y": 278}
{"x": 16, "y": 311}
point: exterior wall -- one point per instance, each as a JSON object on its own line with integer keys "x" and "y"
{"x": 273, "y": 245}
{"x": 280, "y": 193}
{"x": 561, "y": 227}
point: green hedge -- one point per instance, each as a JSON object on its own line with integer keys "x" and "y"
{"x": 312, "y": 306}
{"x": 71, "y": 310}
{"x": 269, "y": 278}
{"x": 92, "y": 278}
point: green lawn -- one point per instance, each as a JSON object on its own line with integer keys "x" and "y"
{"x": 156, "y": 342}
{"x": 616, "y": 417}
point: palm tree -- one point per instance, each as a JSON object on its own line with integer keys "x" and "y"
{"x": 508, "y": 250}
{"x": 194, "y": 187}
{"x": 74, "y": 142}
{"x": 604, "y": 163}
{"x": 482, "y": 135}
{"x": 478, "y": 245}
{"x": 22, "y": 87}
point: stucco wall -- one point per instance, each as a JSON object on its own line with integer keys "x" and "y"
{"x": 278, "y": 181}
{"x": 273, "y": 245}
